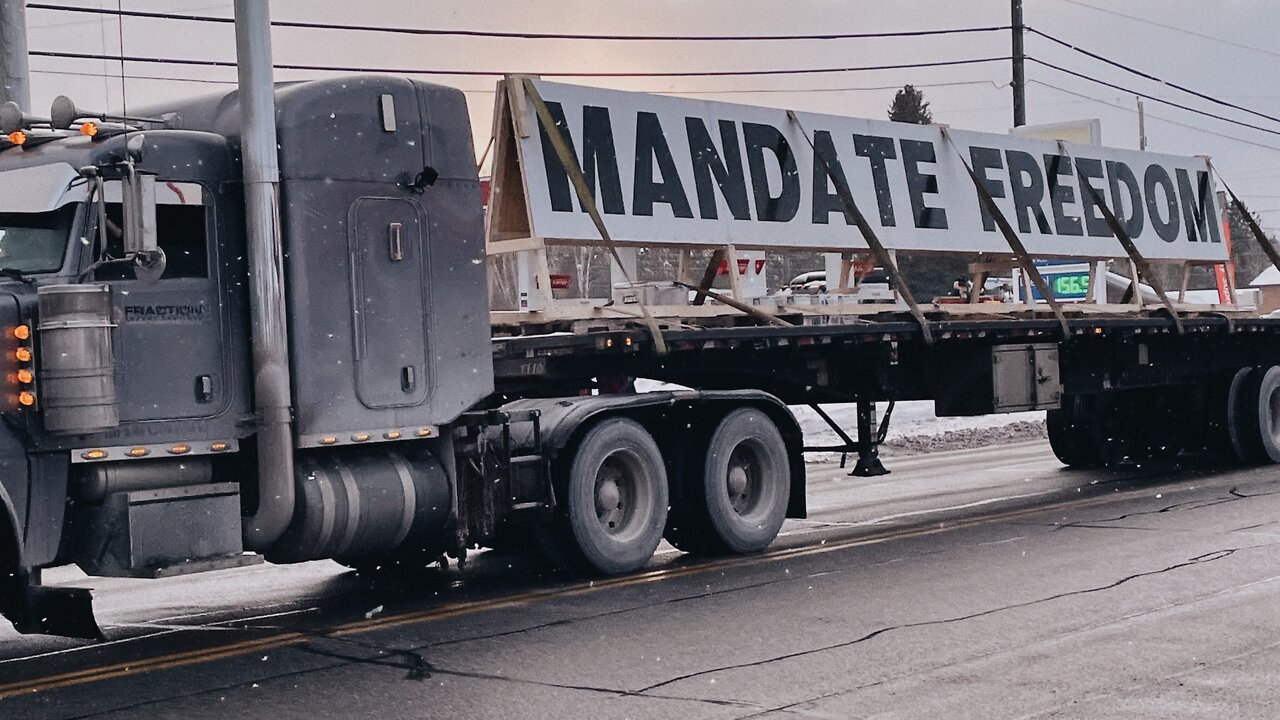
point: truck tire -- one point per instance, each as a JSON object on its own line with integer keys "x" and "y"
{"x": 615, "y": 499}
{"x": 1268, "y": 406}
{"x": 1243, "y": 416}
{"x": 736, "y": 501}
{"x": 1112, "y": 436}
{"x": 1070, "y": 436}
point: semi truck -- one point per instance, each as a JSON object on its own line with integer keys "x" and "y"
{"x": 153, "y": 426}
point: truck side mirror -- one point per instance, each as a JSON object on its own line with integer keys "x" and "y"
{"x": 140, "y": 241}
{"x": 139, "y": 201}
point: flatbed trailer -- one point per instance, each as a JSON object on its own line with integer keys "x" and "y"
{"x": 255, "y": 326}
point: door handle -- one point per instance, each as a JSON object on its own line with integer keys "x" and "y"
{"x": 397, "y": 249}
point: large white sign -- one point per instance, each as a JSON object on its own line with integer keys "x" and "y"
{"x": 679, "y": 171}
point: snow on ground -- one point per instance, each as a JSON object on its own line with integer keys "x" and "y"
{"x": 912, "y": 421}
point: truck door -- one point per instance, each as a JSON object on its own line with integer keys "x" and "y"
{"x": 169, "y": 343}
{"x": 388, "y": 289}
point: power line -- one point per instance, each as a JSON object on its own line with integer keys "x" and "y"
{"x": 788, "y": 91}
{"x": 522, "y": 35}
{"x": 498, "y": 73}
{"x": 1174, "y": 28}
{"x": 140, "y": 77}
{"x": 672, "y": 91}
{"x": 48, "y": 26}
{"x": 1156, "y": 117}
{"x": 1153, "y": 78}
{"x": 1153, "y": 98}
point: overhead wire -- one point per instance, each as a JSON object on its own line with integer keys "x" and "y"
{"x": 523, "y": 35}
{"x": 1174, "y": 28}
{"x": 1151, "y": 97}
{"x": 1156, "y": 117}
{"x": 1148, "y": 76}
{"x": 673, "y": 91}
{"x": 498, "y": 73}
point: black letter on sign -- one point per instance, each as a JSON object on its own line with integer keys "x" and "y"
{"x": 1158, "y": 177}
{"x": 1198, "y": 209}
{"x": 1088, "y": 169}
{"x": 985, "y": 159}
{"x": 915, "y": 152}
{"x": 1122, "y": 175}
{"x": 1028, "y": 190}
{"x": 728, "y": 173}
{"x": 598, "y": 157}
{"x": 768, "y": 208}
{"x": 878, "y": 149}
{"x": 651, "y": 145}
{"x": 1055, "y": 167}
{"x": 825, "y": 203}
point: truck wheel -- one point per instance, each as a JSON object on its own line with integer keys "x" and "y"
{"x": 1069, "y": 433}
{"x": 615, "y": 500}
{"x": 1111, "y": 435}
{"x": 1243, "y": 414}
{"x": 739, "y": 499}
{"x": 1269, "y": 414}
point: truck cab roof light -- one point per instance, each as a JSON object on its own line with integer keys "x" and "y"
{"x": 17, "y": 137}
{"x": 22, "y": 332}
{"x": 93, "y": 454}
{"x": 23, "y": 354}
{"x": 89, "y": 129}
{"x": 26, "y": 398}
{"x": 25, "y": 376}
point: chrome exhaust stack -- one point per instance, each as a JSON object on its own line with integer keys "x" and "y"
{"x": 271, "y": 383}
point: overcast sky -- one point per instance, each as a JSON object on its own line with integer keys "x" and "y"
{"x": 1226, "y": 49}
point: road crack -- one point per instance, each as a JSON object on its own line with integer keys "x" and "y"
{"x": 1198, "y": 560}
{"x": 1235, "y": 494}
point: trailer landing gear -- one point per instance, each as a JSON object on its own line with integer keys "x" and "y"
{"x": 869, "y": 439}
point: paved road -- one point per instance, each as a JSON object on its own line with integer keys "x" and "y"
{"x": 983, "y": 583}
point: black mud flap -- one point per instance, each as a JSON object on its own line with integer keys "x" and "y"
{"x": 39, "y": 610}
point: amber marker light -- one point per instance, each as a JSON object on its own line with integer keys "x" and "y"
{"x": 360, "y": 437}
{"x": 25, "y": 377}
{"x": 17, "y": 137}
{"x": 26, "y": 398}
{"x": 219, "y": 446}
{"x": 424, "y": 432}
{"x": 93, "y": 454}
{"x": 22, "y": 332}
{"x": 328, "y": 440}
{"x": 138, "y": 452}
{"x": 23, "y": 354}
{"x": 89, "y": 129}
{"x": 179, "y": 449}
{"x": 391, "y": 435}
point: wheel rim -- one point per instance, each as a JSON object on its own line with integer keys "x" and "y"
{"x": 622, "y": 494}
{"x": 746, "y": 479}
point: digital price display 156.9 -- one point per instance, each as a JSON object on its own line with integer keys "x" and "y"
{"x": 1066, "y": 286}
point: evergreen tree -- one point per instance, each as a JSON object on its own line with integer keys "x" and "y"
{"x": 927, "y": 276}
{"x": 909, "y": 106}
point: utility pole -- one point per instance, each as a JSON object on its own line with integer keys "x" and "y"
{"x": 1019, "y": 83}
{"x": 15, "y": 81}
{"x": 271, "y": 385}
{"x": 1142, "y": 126}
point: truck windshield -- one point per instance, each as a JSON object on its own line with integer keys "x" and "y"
{"x": 35, "y": 242}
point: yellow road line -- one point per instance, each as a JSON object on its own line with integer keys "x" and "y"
{"x": 192, "y": 657}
